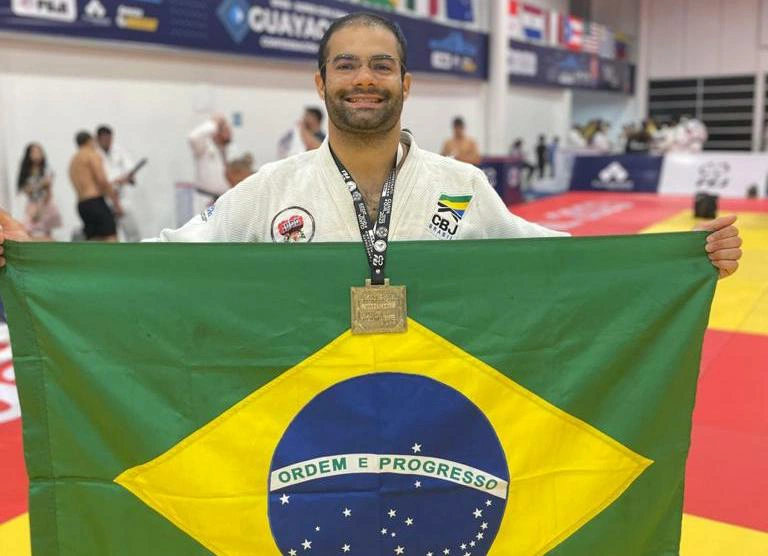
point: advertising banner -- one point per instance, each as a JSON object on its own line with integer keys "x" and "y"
{"x": 725, "y": 174}
{"x": 530, "y": 64}
{"x": 285, "y": 29}
{"x": 631, "y": 172}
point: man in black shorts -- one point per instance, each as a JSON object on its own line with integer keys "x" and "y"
{"x": 86, "y": 171}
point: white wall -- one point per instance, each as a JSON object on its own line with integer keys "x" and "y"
{"x": 152, "y": 98}
{"x": 702, "y": 37}
{"x": 533, "y": 111}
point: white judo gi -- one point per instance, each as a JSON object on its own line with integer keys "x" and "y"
{"x": 304, "y": 198}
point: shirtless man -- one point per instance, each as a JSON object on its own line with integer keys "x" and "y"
{"x": 460, "y": 146}
{"x": 86, "y": 171}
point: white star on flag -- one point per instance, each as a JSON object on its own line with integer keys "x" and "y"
{"x": 479, "y": 536}
{"x": 392, "y": 513}
{"x": 478, "y": 513}
{"x": 307, "y": 544}
{"x": 488, "y": 502}
{"x": 409, "y": 522}
{"x": 383, "y": 531}
{"x": 471, "y": 543}
{"x": 484, "y": 525}
{"x": 317, "y": 528}
{"x": 463, "y": 547}
{"x": 417, "y": 484}
{"x": 347, "y": 512}
{"x": 284, "y": 499}
{"x": 416, "y": 448}
{"x": 447, "y": 551}
{"x": 399, "y": 550}
{"x": 346, "y": 548}
{"x": 292, "y": 552}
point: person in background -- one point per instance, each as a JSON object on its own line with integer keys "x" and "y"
{"x": 307, "y": 135}
{"x": 517, "y": 156}
{"x": 209, "y": 142}
{"x": 118, "y": 165}
{"x": 552, "y": 154}
{"x": 541, "y": 156}
{"x": 599, "y": 141}
{"x": 239, "y": 168}
{"x": 86, "y": 171}
{"x": 461, "y": 146}
{"x": 639, "y": 141}
{"x": 576, "y": 138}
{"x": 35, "y": 180}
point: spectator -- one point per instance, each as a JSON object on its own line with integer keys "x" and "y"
{"x": 35, "y": 181}
{"x": 118, "y": 166}
{"x": 460, "y": 146}
{"x": 599, "y": 141}
{"x": 576, "y": 138}
{"x": 639, "y": 141}
{"x": 86, "y": 171}
{"x": 239, "y": 168}
{"x": 305, "y": 136}
{"x": 541, "y": 156}
{"x": 517, "y": 154}
{"x": 209, "y": 142}
{"x": 552, "y": 155}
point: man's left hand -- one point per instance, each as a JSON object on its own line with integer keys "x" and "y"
{"x": 723, "y": 244}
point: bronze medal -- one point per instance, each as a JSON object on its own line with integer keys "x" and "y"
{"x": 379, "y": 309}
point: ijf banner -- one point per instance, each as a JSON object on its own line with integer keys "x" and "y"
{"x": 631, "y": 172}
{"x": 725, "y": 174}
{"x": 189, "y": 399}
{"x": 289, "y": 29}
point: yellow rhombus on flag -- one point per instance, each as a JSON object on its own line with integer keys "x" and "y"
{"x": 219, "y": 485}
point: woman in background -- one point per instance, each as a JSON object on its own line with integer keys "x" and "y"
{"x": 35, "y": 181}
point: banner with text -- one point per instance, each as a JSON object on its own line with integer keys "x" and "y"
{"x": 529, "y": 64}
{"x": 285, "y": 29}
{"x": 724, "y": 174}
{"x": 631, "y": 172}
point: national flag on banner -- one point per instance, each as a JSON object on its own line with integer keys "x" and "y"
{"x": 555, "y": 23}
{"x": 608, "y": 44}
{"x": 535, "y": 23}
{"x": 460, "y": 10}
{"x": 540, "y": 399}
{"x": 419, "y": 7}
{"x": 622, "y": 46}
{"x": 573, "y": 32}
{"x": 515, "y": 20}
{"x": 591, "y": 37}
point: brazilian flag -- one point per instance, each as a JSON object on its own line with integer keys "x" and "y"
{"x": 188, "y": 399}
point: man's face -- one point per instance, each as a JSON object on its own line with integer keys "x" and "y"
{"x": 223, "y": 135}
{"x": 363, "y": 89}
{"x": 105, "y": 141}
{"x": 458, "y": 131}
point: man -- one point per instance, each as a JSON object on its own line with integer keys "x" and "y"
{"x": 307, "y": 135}
{"x": 118, "y": 166}
{"x": 86, "y": 171}
{"x": 209, "y": 142}
{"x": 460, "y": 146}
{"x": 326, "y": 194}
{"x": 239, "y": 168}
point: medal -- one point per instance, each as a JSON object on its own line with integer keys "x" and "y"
{"x": 377, "y": 307}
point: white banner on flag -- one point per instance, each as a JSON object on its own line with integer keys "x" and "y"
{"x": 725, "y": 174}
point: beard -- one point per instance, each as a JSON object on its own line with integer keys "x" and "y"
{"x": 358, "y": 121}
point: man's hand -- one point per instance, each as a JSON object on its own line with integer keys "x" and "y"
{"x": 723, "y": 244}
{"x": 10, "y": 229}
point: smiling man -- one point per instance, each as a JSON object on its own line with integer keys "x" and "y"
{"x": 370, "y": 179}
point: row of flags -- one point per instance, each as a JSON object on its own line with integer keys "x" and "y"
{"x": 456, "y": 10}
{"x": 551, "y": 28}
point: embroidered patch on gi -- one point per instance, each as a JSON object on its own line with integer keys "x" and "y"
{"x": 207, "y": 213}
{"x": 293, "y": 225}
{"x": 450, "y": 210}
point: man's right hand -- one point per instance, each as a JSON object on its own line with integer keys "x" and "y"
{"x": 10, "y": 229}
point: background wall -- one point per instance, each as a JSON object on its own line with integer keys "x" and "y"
{"x": 152, "y": 99}
{"x": 535, "y": 110}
